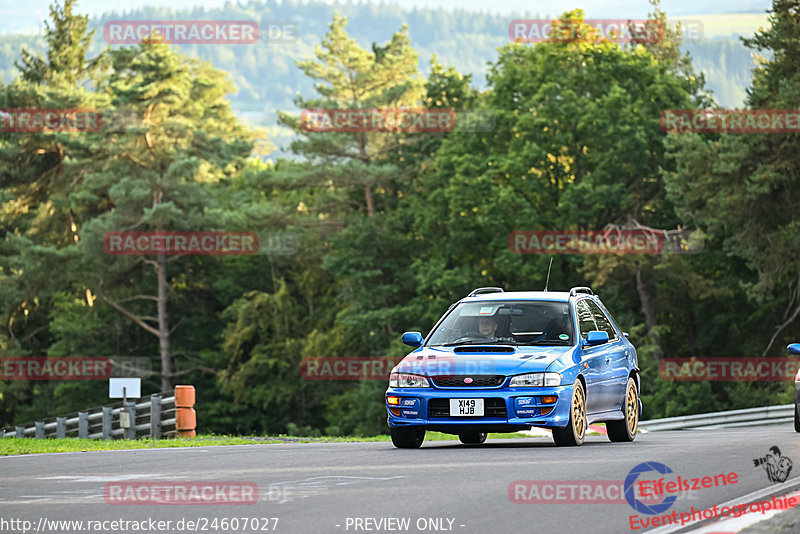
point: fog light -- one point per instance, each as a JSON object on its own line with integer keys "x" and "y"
{"x": 393, "y": 400}
{"x": 549, "y": 399}
{"x": 395, "y": 411}
{"x": 546, "y": 411}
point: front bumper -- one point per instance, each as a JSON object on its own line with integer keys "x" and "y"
{"x": 506, "y": 409}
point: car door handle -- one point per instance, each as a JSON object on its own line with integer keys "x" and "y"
{"x": 608, "y": 359}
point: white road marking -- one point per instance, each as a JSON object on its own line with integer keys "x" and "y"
{"x": 302, "y": 488}
{"x": 275, "y": 492}
{"x": 108, "y": 478}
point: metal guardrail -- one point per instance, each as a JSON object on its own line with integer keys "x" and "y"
{"x": 767, "y": 415}
{"x": 160, "y": 421}
{"x": 154, "y": 418}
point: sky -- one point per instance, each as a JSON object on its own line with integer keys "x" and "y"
{"x": 24, "y": 15}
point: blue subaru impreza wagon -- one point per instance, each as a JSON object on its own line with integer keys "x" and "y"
{"x": 507, "y": 361}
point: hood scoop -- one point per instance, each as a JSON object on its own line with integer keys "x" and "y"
{"x": 487, "y": 348}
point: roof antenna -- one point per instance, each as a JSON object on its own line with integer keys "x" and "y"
{"x": 547, "y": 282}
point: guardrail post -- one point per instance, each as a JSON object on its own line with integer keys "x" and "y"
{"x": 83, "y": 425}
{"x": 130, "y": 432}
{"x": 155, "y": 417}
{"x": 185, "y": 416}
{"x": 61, "y": 427}
{"x": 106, "y": 422}
{"x": 39, "y": 430}
{"x": 19, "y": 431}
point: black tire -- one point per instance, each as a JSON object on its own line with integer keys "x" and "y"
{"x": 575, "y": 431}
{"x": 408, "y": 437}
{"x": 796, "y": 419}
{"x": 472, "y": 438}
{"x": 625, "y": 429}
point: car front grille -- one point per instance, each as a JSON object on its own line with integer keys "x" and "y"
{"x": 477, "y": 381}
{"x": 491, "y": 408}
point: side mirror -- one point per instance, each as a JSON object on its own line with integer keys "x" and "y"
{"x": 412, "y": 339}
{"x": 794, "y": 348}
{"x": 625, "y": 334}
{"x": 596, "y": 337}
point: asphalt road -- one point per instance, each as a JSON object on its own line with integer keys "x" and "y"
{"x": 351, "y": 487}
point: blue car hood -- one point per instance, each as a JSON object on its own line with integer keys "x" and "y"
{"x": 481, "y": 360}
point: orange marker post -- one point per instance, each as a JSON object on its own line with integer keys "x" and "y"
{"x": 185, "y": 416}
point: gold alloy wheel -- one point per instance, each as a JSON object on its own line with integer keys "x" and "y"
{"x": 579, "y": 412}
{"x": 632, "y": 411}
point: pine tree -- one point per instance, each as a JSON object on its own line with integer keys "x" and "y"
{"x": 347, "y": 76}
{"x": 158, "y": 174}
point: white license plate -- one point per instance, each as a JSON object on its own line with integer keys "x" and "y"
{"x": 466, "y": 407}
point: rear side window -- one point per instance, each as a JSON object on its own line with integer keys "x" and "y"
{"x": 600, "y": 319}
{"x": 585, "y": 318}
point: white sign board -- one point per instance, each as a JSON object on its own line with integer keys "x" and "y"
{"x": 133, "y": 388}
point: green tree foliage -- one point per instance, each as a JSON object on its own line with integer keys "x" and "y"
{"x": 268, "y": 80}
{"x": 40, "y": 174}
{"x": 743, "y": 188}
{"x": 390, "y": 228}
{"x": 159, "y": 174}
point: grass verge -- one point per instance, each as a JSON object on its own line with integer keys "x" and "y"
{"x": 17, "y": 446}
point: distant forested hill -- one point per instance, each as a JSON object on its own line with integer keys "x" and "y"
{"x": 268, "y": 79}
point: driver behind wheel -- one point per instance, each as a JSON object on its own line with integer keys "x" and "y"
{"x": 487, "y": 327}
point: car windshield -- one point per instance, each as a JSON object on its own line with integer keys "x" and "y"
{"x": 507, "y": 323}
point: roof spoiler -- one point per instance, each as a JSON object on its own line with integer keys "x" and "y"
{"x": 486, "y": 290}
{"x": 575, "y": 290}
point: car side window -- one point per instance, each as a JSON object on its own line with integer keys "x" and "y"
{"x": 585, "y": 318}
{"x": 601, "y": 320}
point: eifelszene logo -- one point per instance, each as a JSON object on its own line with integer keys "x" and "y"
{"x": 636, "y": 504}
